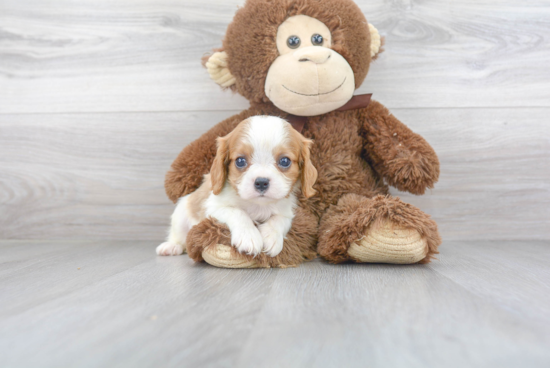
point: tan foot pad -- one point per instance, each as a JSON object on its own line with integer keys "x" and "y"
{"x": 389, "y": 243}
{"x": 221, "y": 256}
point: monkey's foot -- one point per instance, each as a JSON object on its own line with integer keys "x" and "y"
{"x": 210, "y": 241}
{"x": 224, "y": 256}
{"x": 377, "y": 230}
{"x": 389, "y": 243}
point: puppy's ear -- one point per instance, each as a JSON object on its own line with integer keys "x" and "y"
{"x": 309, "y": 172}
{"x": 218, "y": 172}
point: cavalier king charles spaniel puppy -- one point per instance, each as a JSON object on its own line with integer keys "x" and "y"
{"x": 255, "y": 178}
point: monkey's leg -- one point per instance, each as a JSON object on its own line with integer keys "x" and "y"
{"x": 210, "y": 241}
{"x": 377, "y": 230}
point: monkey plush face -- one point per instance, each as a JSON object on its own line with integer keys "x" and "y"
{"x": 305, "y": 56}
{"x": 308, "y": 77}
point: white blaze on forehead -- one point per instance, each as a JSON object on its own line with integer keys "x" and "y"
{"x": 265, "y": 133}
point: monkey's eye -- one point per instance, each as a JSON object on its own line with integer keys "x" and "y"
{"x": 241, "y": 162}
{"x": 285, "y": 162}
{"x": 317, "y": 39}
{"x": 293, "y": 42}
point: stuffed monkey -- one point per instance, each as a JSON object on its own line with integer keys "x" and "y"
{"x": 302, "y": 60}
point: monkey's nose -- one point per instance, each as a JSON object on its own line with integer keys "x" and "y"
{"x": 315, "y": 54}
{"x": 261, "y": 184}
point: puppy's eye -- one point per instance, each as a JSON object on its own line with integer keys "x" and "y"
{"x": 293, "y": 42}
{"x": 285, "y": 162}
{"x": 241, "y": 162}
{"x": 317, "y": 39}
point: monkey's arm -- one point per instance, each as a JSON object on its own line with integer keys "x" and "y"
{"x": 195, "y": 160}
{"x": 402, "y": 157}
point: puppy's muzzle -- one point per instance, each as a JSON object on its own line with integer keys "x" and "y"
{"x": 261, "y": 185}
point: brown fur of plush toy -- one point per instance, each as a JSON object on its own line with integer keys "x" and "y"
{"x": 356, "y": 152}
{"x": 297, "y": 247}
{"x": 347, "y": 221}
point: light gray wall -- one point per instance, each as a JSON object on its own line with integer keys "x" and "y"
{"x": 97, "y": 97}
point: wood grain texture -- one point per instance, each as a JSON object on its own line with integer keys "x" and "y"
{"x": 97, "y": 98}
{"x": 101, "y": 176}
{"x": 90, "y": 175}
{"x": 144, "y": 55}
{"x": 99, "y": 304}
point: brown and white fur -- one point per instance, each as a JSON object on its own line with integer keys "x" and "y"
{"x": 256, "y": 201}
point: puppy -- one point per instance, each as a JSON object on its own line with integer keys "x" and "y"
{"x": 252, "y": 186}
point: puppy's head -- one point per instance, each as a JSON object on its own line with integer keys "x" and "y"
{"x": 262, "y": 159}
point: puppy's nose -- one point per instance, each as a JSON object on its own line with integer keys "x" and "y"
{"x": 261, "y": 184}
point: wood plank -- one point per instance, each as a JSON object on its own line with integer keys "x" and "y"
{"x": 144, "y": 55}
{"x": 124, "y": 306}
{"x": 90, "y": 175}
{"x": 63, "y": 269}
{"x": 128, "y": 307}
{"x": 511, "y": 274}
{"x": 100, "y": 176}
{"x": 392, "y": 316}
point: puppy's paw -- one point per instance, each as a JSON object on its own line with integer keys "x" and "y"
{"x": 273, "y": 240}
{"x": 170, "y": 249}
{"x": 247, "y": 240}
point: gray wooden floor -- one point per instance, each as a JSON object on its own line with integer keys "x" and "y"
{"x": 113, "y": 304}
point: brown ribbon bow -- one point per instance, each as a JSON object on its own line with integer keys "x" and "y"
{"x": 356, "y": 102}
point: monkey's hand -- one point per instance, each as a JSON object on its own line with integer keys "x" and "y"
{"x": 412, "y": 172}
{"x": 402, "y": 157}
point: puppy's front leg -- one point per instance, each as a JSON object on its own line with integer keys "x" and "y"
{"x": 273, "y": 233}
{"x": 245, "y": 236}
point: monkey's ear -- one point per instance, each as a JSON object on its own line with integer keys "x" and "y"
{"x": 216, "y": 64}
{"x": 376, "y": 42}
